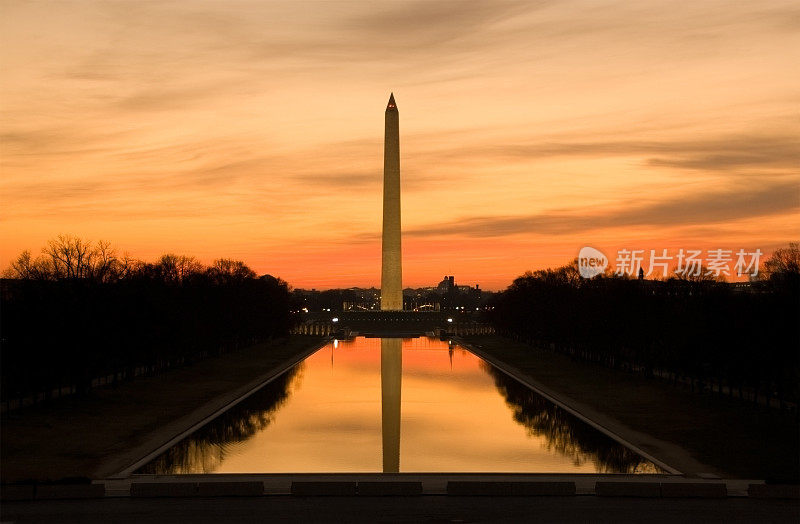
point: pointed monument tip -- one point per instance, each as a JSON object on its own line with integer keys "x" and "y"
{"x": 391, "y": 104}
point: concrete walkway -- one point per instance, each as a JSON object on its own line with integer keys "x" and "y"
{"x": 700, "y": 435}
{"x": 124, "y": 464}
{"x": 667, "y": 455}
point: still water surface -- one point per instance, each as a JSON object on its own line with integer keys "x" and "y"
{"x": 411, "y": 405}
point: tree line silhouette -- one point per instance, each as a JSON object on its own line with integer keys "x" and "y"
{"x": 705, "y": 334}
{"x": 79, "y": 311}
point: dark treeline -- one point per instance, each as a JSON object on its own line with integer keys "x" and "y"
{"x": 739, "y": 341}
{"x": 79, "y": 312}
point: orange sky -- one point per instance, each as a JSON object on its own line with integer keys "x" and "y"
{"x": 253, "y": 130}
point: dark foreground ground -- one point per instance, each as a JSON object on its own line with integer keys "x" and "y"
{"x": 100, "y": 434}
{"x": 425, "y": 509}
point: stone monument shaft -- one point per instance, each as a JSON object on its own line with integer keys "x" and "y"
{"x": 391, "y": 266}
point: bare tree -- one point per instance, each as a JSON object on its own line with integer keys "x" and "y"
{"x": 783, "y": 261}
{"x": 176, "y": 268}
{"x": 227, "y": 270}
{"x": 127, "y": 265}
{"x": 105, "y": 266}
{"x": 28, "y": 268}
{"x": 70, "y": 257}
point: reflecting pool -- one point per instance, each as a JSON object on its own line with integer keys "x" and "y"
{"x": 407, "y": 405}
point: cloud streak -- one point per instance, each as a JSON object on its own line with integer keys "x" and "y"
{"x": 708, "y": 208}
{"x": 705, "y": 153}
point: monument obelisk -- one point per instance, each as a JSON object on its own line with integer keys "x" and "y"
{"x": 391, "y": 266}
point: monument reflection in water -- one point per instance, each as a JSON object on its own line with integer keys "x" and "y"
{"x": 391, "y": 387}
{"x": 392, "y": 405}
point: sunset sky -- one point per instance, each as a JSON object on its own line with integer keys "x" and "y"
{"x": 254, "y": 130}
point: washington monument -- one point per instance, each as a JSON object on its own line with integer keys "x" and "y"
{"x": 391, "y": 291}
{"x": 391, "y": 267}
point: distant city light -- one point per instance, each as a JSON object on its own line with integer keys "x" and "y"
{"x": 449, "y": 319}
{"x": 335, "y": 319}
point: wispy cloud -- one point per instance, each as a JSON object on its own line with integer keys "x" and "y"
{"x": 706, "y": 153}
{"x": 685, "y": 210}
{"x": 432, "y": 23}
{"x": 340, "y": 181}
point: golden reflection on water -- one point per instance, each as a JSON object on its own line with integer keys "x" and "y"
{"x": 412, "y": 405}
{"x": 391, "y": 385}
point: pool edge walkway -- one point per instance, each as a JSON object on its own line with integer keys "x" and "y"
{"x": 667, "y": 455}
{"x": 122, "y": 466}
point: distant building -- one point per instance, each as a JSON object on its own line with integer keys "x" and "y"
{"x": 447, "y": 284}
{"x": 751, "y": 286}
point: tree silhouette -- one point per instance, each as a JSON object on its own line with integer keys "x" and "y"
{"x": 78, "y": 312}
{"x": 699, "y": 331}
